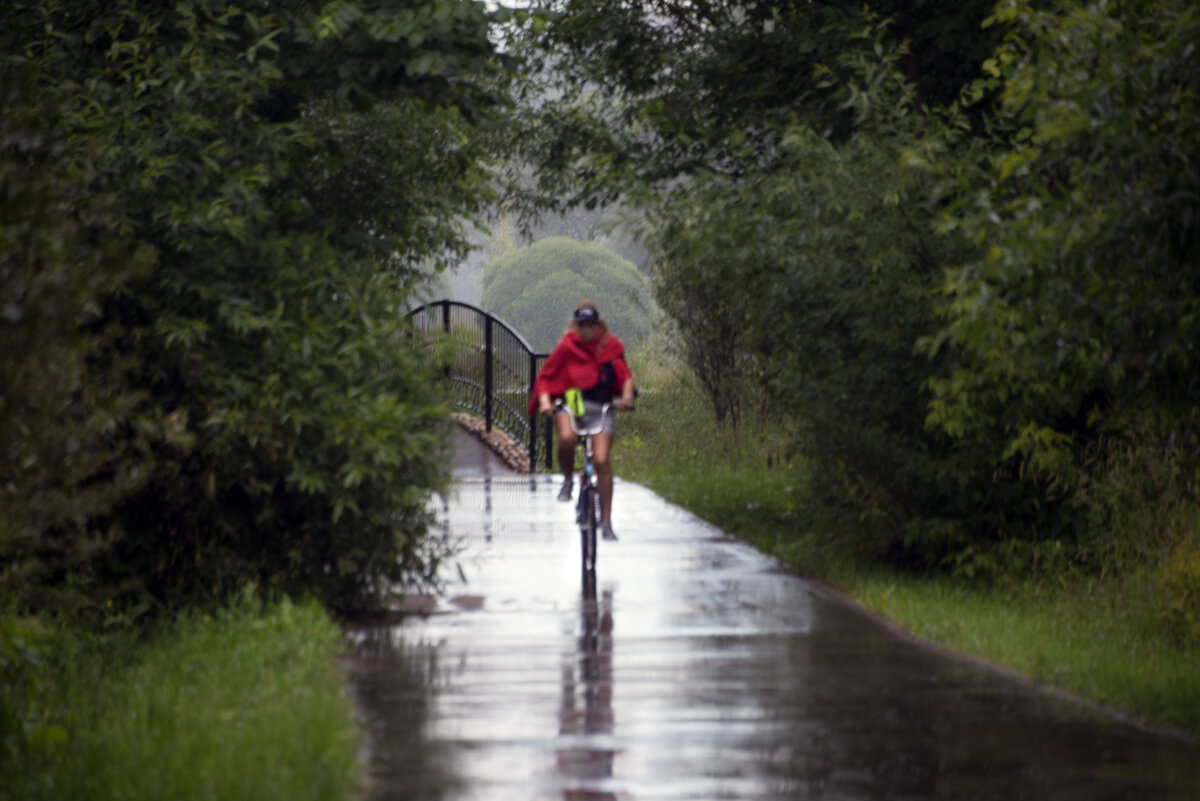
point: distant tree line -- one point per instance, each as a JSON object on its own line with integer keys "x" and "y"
{"x": 536, "y": 288}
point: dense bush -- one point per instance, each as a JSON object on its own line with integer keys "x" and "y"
{"x": 213, "y": 229}
{"x": 817, "y": 279}
{"x": 535, "y": 288}
{"x": 62, "y": 397}
{"x": 1083, "y": 320}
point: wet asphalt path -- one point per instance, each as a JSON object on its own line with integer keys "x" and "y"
{"x": 697, "y": 669}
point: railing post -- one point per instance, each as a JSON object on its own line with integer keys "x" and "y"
{"x": 533, "y": 417}
{"x": 446, "y": 328}
{"x": 488, "y": 378}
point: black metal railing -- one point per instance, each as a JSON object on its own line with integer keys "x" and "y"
{"x": 490, "y": 367}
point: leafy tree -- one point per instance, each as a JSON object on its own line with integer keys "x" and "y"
{"x": 636, "y": 95}
{"x": 704, "y": 109}
{"x": 1091, "y": 215}
{"x": 818, "y": 277}
{"x": 535, "y": 288}
{"x": 611, "y": 226}
{"x": 1014, "y": 270}
{"x": 1078, "y": 330}
{"x": 793, "y": 243}
{"x": 698, "y": 264}
{"x": 248, "y": 151}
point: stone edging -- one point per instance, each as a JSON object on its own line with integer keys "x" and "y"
{"x": 499, "y": 442}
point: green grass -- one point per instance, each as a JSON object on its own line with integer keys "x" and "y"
{"x": 1099, "y": 639}
{"x": 243, "y": 704}
{"x": 1088, "y": 643}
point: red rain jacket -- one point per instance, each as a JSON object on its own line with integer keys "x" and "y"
{"x": 574, "y": 363}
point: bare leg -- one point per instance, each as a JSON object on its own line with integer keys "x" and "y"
{"x": 567, "y": 442}
{"x": 601, "y": 448}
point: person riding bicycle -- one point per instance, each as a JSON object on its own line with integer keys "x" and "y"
{"x": 590, "y": 358}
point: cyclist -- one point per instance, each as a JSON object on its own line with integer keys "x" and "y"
{"x": 590, "y": 358}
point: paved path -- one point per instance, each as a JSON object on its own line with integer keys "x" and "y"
{"x": 473, "y": 460}
{"x": 699, "y": 670}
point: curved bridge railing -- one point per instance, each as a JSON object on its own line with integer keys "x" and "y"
{"x": 490, "y": 367}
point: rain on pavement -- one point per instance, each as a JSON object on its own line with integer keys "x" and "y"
{"x": 696, "y": 668}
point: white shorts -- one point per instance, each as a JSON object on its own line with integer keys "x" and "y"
{"x": 592, "y": 421}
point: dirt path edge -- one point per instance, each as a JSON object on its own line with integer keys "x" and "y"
{"x": 500, "y": 443}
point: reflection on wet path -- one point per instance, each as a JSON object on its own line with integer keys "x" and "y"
{"x": 585, "y": 750}
{"x": 695, "y": 669}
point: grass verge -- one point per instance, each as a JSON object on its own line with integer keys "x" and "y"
{"x": 243, "y": 704}
{"x": 1089, "y": 637}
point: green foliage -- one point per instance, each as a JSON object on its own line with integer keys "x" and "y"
{"x": 640, "y": 94}
{"x": 535, "y": 288}
{"x": 1084, "y": 314}
{"x": 288, "y": 214}
{"x": 749, "y": 481}
{"x": 697, "y": 259}
{"x": 816, "y": 279}
{"x": 958, "y": 251}
{"x": 411, "y": 207}
{"x": 69, "y": 434}
{"x": 191, "y": 710}
{"x": 1076, "y": 331}
{"x": 792, "y": 242}
{"x": 22, "y": 734}
{"x": 1179, "y": 578}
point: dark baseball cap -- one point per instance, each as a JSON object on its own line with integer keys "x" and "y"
{"x": 586, "y": 314}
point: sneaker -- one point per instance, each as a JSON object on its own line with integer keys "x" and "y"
{"x": 564, "y": 494}
{"x": 606, "y": 532}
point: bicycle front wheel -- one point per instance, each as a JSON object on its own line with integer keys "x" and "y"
{"x": 589, "y": 525}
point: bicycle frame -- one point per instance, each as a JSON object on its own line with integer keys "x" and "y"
{"x": 587, "y": 508}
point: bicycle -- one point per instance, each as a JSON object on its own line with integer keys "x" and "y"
{"x": 587, "y": 507}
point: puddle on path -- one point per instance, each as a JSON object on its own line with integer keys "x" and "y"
{"x": 696, "y": 669}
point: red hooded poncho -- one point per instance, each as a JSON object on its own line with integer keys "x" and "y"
{"x": 576, "y": 364}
